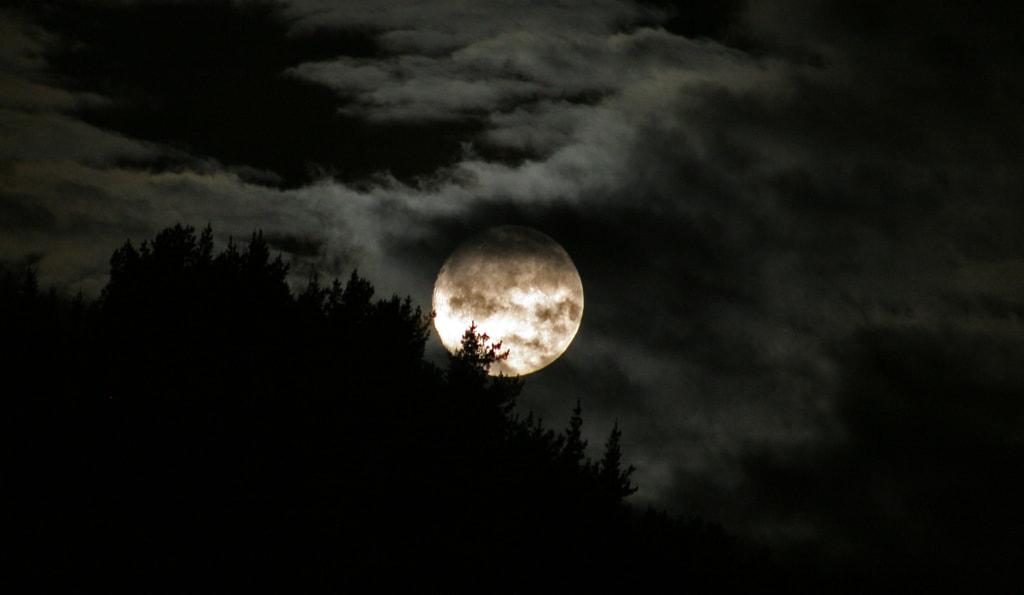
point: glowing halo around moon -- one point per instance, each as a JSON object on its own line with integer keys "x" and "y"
{"x": 519, "y": 287}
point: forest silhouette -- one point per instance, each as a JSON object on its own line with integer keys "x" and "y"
{"x": 202, "y": 427}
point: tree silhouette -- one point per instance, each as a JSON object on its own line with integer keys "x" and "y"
{"x": 213, "y": 422}
{"x": 575, "y": 447}
{"x": 610, "y": 472}
{"x": 474, "y": 357}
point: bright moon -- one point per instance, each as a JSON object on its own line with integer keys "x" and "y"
{"x": 519, "y": 287}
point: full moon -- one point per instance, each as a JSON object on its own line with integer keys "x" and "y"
{"x": 519, "y": 287}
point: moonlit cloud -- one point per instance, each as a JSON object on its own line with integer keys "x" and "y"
{"x": 55, "y": 137}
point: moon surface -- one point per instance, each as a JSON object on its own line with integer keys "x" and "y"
{"x": 519, "y": 287}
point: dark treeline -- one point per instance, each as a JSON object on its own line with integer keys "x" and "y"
{"x": 202, "y": 428}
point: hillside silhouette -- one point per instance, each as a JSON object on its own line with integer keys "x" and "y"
{"x": 202, "y": 427}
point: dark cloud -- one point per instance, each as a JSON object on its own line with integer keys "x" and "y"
{"x": 564, "y": 310}
{"x": 17, "y": 214}
{"x": 695, "y": 18}
{"x": 297, "y": 245}
{"x": 941, "y": 79}
{"x": 482, "y": 303}
{"x": 914, "y": 481}
{"x": 209, "y": 79}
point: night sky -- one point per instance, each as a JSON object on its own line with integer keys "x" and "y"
{"x": 798, "y": 224}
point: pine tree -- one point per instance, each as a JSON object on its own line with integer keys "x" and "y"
{"x": 575, "y": 447}
{"x": 612, "y": 476}
{"x": 469, "y": 366}
{"x": 486, "y": 401}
